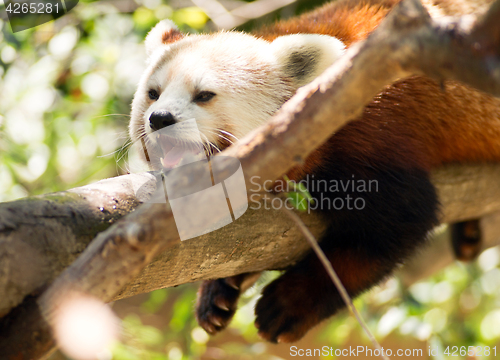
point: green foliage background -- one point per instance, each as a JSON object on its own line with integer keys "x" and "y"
{"x": 65, "y": 94}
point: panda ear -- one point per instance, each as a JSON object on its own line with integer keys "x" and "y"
{"x": 303, "y": 57}
{"x": 165, "y": 32}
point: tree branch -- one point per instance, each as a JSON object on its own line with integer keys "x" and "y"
{"x": 46, "y": 233}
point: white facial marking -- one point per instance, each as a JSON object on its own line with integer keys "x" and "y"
{"x": 229, "y": 82}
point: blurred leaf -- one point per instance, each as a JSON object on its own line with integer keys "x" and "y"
{"x": 156, "y": 299}
{"x": 298, "y": 200}
{"x": 191, "y": 16}
{"x": 144, "y": 18}
{"x": 183, "y": 311}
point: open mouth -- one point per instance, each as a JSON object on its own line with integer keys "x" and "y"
{"x": 176, "y": 152}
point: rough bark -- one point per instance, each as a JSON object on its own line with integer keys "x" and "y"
{"x": 408, "y": 42}
{"x": 272, "y": 243}
{"x": 439, "y": 253}
{"x": 61, "y": 226}
{"x": 40, "y": 236}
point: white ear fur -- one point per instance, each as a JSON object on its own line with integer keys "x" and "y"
{"x": 163, "y": 33}
{"x": 305, "y": 56}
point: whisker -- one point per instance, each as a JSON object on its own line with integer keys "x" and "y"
{"x": 225, "y": 138}
{"x": 109, "y": 115}
{"x": 221, "y": 136}
{"x": 219, "y": 132}
{"x": 229, "y": 134}
{"x": 215, "y": 147}
{"x": 124, "y": 147}
{"x": 125, "y": 152}
{"x": 208, "y": 150}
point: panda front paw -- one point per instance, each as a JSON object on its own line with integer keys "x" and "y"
{"x": 284, "y": 314}
{"x": 216, "y": 304}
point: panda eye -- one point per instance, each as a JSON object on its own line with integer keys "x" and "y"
{"x": 204, "y": 96}
{"x": 153, "y": 94}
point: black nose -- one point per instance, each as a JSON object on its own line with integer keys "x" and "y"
{"x": 160, "y": 119}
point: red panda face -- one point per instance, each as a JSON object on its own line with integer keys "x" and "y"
{"x": 228, "y": 82}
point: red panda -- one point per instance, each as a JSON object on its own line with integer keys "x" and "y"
{"x": 231, "y": 82}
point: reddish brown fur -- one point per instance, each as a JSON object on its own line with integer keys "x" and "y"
{"x": 423, "y": 124}
{"x": 411, "y": 127}
{"x": 171, "y": 36}
{"x": 356, "y": 272}
{"x": 353, "y": 21}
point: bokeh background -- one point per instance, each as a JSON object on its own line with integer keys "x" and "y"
{"x": 65, "y": 93}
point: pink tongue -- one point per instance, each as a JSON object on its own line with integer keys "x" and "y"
{"x": 173, "y": 157}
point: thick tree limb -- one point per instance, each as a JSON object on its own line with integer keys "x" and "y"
{"x": 465, "y": 192}
{"x": 274, "y": 243}
{"x": 439, "y": 253}
{"x": 408, "y": 42}
{"x": 46, "y": 233}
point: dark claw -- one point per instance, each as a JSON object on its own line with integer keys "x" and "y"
{"x": 216, "y": 305}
